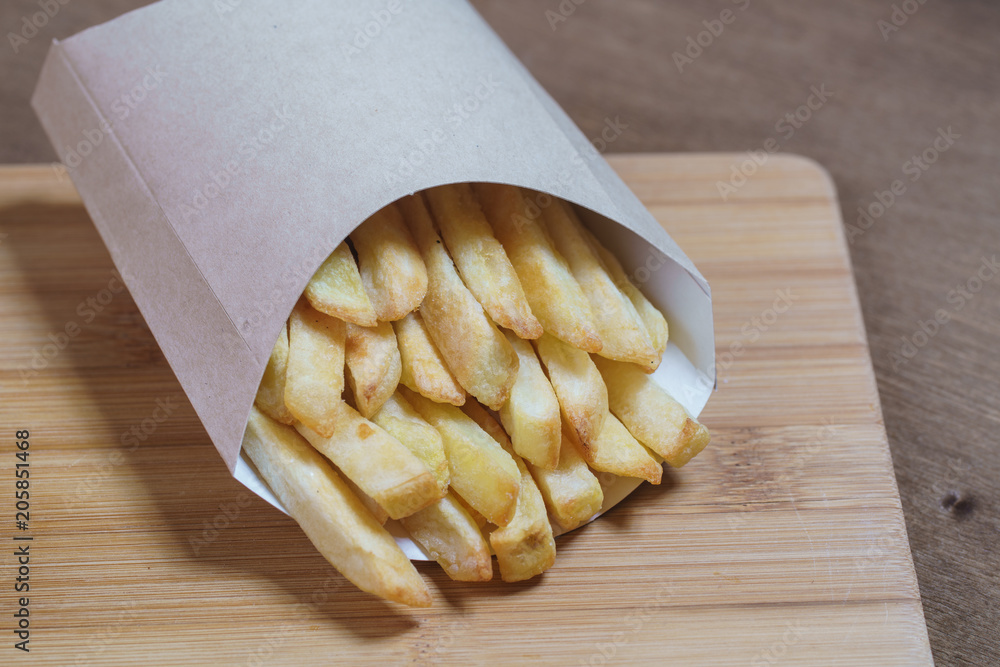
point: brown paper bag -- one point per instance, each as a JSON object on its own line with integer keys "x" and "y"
{"x": 224, "y": 149}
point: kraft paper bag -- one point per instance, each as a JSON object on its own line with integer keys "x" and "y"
{"x": 223, "y": 149}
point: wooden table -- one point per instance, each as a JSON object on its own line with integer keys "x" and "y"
{"x": 892, "y": 90}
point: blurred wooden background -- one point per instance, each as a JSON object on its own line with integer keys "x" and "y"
{"x": 885, "y": 81}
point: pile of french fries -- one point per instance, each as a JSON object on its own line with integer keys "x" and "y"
{"x": 464, "y": 367}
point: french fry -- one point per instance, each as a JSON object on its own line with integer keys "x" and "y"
{"x": 652, "y": 318}
{"x": 583, "y": 398}
{"x": 424, "y": 369}
{"x": 651, "y": 414}
{"x": 451, "y": 537}
{"x": 378, "y": 463}
{"x": 330, "y": 515}
{"x": 571, "y": 491}
{"x": 336, "y": 289}
{"x": 314, "y": 379}
{"x": 402, "y": 422}
{"x": 622, "y": 332}
{"x": 481, "y": 471}
{"x": 271, "y": 392}
{"x": 614, "y": 450}
{"x": 525, "y": 546}
{"x": 377, "y": 511}
{"x": 553, "y": 294}
{"x": 392, "y": 271}
{"x": 373, "y": 365}
{"x": 481, "y": 259}
{"x": 477, "y": 516}
{"x": 477, "y": 353}
{"x": 531, "y": 414}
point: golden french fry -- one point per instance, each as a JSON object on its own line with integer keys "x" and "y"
{"x": 391, "y": 269}
{"x": 531, "y": 414}
{"x": 477, "y": 516}
{"x": 373, "y": 365}
{"x": 622, "y": 332}
{"x": 525, "y": 546}
{"x": 614, "y": 450}
{"x": 271, "y": 392}
{"x": 652, "y": 318}
{"x": 477, "y": 353}
{"x": 402, "y": 422}
{"x": 330, "y": 515}
{"x": 481, "y": 471}
{"x": 377, "y": 511}
{"x": 480, "y": 258}
{"x": 336, "y": 289}
{"x": 553, "y": 294}
{"x": 451, "y": 537}
{"x": 583, "y": 398}
{"x": 571, "y": 491}
{"x": 314, "y": 379}
{"x": 651, "y": 414}
{"x": 424, "y": 369}
{"x": 378, "y": 463}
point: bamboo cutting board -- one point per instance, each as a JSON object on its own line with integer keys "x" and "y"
{"x": 783, "y": 543}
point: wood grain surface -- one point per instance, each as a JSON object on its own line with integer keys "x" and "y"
{"x": 783, "y": 542}
{"x": 613, "y": 59}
